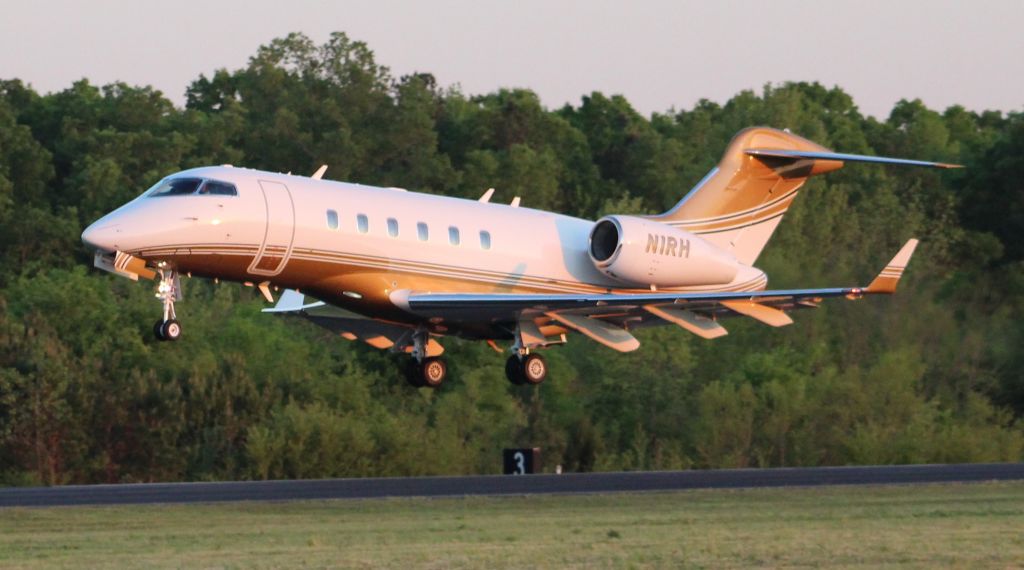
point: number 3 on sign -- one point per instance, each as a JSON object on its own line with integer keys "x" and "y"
{"x": 520, "y": 460}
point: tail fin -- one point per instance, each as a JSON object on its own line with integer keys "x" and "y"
{"x": 738, "y": 205}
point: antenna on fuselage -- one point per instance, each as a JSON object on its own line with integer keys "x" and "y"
{"x": 319, "y": 174}
{"x": 515, "y": 202}
{"x": 487, "y": 195}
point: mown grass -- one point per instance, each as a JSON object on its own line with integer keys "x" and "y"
{"x": 969, "y": 526}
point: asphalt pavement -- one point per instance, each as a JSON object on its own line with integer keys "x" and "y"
{"x": 153, "y": 493}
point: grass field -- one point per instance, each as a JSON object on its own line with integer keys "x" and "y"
{"x": 969, "y": 526}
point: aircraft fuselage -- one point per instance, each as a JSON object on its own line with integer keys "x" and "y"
{"x": 353, "y": 245}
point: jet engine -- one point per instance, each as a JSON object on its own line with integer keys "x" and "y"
{"x": 645, "y": 253}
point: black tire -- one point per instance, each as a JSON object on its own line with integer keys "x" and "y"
{"x": 413, "y": 373}
{"x": 158, "y": 330}
{"x": 433, "y": 371}
{"x": 514, "y": 370}
{"x": 171, "y": 330}
{"x": 534, "y": 369}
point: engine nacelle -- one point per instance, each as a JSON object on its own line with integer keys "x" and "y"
{"x": 642, "y": 253}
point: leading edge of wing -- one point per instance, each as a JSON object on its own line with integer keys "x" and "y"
{"x": 420, "y": 302}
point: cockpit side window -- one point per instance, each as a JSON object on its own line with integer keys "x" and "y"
{"x": 217, "y": 188}
{"x": 175, "y": 187}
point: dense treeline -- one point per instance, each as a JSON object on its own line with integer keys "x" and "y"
{"x": 86, "y": 395}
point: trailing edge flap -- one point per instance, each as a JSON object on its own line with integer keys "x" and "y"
{"x": 698, "y": 325}
{"x": 600, "y": 331}
{"x": 889, "y": 277}
{"x": 765, "y": 314}
{"x": 531, "y": 334}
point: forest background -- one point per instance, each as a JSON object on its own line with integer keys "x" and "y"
{"x": 932, "y": 374}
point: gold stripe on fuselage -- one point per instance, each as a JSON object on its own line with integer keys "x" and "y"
{"x": 327, "y": 274}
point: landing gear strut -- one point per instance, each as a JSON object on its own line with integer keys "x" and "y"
{"x": 422, "y": 370}
{"x": 526, "y": 369}
{"x": 168, "y": 291}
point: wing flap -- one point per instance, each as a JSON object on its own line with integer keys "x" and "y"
{"x": 688, "y": 320}
{"x": 607, "y": 334}
{"x": 764, "y": 313}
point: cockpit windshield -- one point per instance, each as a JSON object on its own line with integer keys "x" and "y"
{"x": 175, "y": 187}
{"x": 218, "y": 188}
{"x": 186, "y": 186}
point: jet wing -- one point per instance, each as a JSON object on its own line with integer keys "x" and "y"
{"x": 352, "y": 326}
{"x": 607, "y": 318}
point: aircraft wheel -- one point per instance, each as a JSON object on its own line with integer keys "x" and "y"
{"x": 514, "y": 370}
{"x": 534, "y": 369}
{"x": 433, "y": 372}
{"x": 171, "y": 330}
{"x": 158, "y": 330}
{"x": 414, "y": 373}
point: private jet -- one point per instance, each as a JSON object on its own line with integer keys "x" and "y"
{"x": 400, "y": 270}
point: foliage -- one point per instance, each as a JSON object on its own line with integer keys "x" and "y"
{"x": 931, "y": 375}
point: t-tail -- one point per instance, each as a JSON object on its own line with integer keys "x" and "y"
{"x": 738, "y": 205}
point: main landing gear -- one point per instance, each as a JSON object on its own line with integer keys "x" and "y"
{"x": 523, "y": 369}
{"x": 168, "y": 291}
{"x": 422, "y": 370}
{"x": 430, "y": 373}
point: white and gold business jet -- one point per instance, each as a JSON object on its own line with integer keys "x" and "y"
{"x": 400, "y": 269}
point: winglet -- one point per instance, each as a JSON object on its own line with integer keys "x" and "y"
{"x": 889, "y": 277}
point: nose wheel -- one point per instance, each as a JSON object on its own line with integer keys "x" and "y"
{"x": 167, "y": 330}
{"x": 168, "y": 290}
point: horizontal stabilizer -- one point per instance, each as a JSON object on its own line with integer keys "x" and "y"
{"x": 843, "y": 157}
{"x": 698, "y": 325}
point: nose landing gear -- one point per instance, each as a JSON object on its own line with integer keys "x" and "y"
{"x": 168, "y": 291}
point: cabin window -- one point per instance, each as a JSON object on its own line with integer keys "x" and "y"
{"x": 332, "y": 219}
{"x": 392, "y": 227}
{"x": 363, "y": 223}
{"x": 485, "y": 239}
{"x": 216, "y": 188}
{"x": 175, "y": 187}
{"x": 422, "y": 231}
{"x": 453, "y": 235}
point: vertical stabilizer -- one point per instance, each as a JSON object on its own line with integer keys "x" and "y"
{"x": 739, "y": 204}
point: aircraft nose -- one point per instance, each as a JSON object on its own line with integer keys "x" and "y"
{"x": 101, "y": 235}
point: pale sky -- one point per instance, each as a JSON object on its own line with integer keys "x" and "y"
{"x": 659, "y": 54}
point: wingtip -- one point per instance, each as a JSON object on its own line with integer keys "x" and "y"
{"x": 889, "y": 277}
